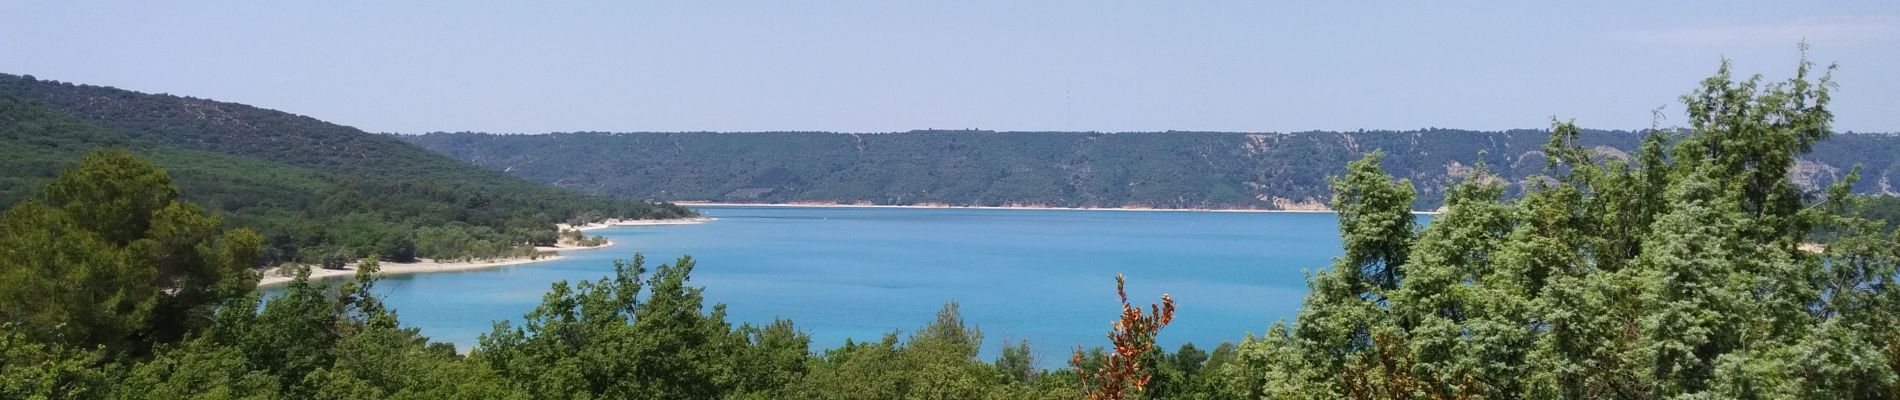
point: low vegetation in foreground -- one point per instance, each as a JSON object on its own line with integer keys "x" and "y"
{"x": 1691, "y": 270}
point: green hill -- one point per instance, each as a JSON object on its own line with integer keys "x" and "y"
{"x": 1069, "y": 169}
{"x": 313, "y": 188}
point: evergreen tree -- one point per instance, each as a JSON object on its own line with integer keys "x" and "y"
{"x": 1675, "y": 274}
{"x": 111, "y": 258}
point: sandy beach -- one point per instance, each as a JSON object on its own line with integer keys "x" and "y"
{"x": 283, "y": 275}
{"x": 634, "y": 222}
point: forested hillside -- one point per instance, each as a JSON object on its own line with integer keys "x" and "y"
{"x": 313, "y": 189}
{"x": 1065, "y": 169}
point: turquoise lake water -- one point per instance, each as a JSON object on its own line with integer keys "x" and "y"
{"x": 1042, "y": 275}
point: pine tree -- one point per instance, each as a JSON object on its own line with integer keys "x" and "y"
{"x": 111, "y": 258}
{"x": 1675, "y": 274}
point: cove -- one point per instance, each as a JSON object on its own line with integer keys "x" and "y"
{"x": 1046, "y": 276}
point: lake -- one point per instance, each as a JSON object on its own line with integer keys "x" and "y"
{"x": 1046, "y": 276}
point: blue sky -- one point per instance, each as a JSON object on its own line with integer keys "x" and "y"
{"x": 1001, "y": 65}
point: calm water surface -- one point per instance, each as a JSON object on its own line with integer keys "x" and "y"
{"x": 1046, "y": 276}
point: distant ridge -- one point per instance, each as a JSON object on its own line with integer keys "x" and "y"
{"x": 1191, "y": 170}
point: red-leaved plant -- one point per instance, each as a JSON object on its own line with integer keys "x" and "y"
{"x": 1122, "y": 372}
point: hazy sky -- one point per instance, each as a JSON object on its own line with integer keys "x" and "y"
{"x": 1002, "y": 65}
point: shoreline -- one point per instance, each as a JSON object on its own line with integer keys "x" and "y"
{"x": 274, "y": 276}
{"x": 1046, "y": 208}
{"x": 633, "y": 222}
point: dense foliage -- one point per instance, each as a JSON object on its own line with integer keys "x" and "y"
{"x": 115, "y": 289}
{"x": 1678, "y": 273}
{"x": 597, "y": 340}
{"x": 314, "y": 190}
{"x": 1688, "y": 270}
{"x": 111, "y": 259}
{"x": 1882, "y": 208}
{"x": 1067, "y": 169}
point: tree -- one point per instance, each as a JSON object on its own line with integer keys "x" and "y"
{"x": 31, "y": 369}
{"x": 774, "y": 359}
{"x": 337, "y": 258}
{"x": 1345, "y": 304}
{"x": 597, "y": 339}
{"x": 1016, "y": 363}
{"x": 1673, "y": 274}
{"x": 111, "y": 258}
{"x": 112, "y": 193}
{"x": 1375, "y": 219}
{"x": 400, "y": 247}
{"x": 942, "y": 356}
{"x": 1127, "y": 371}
